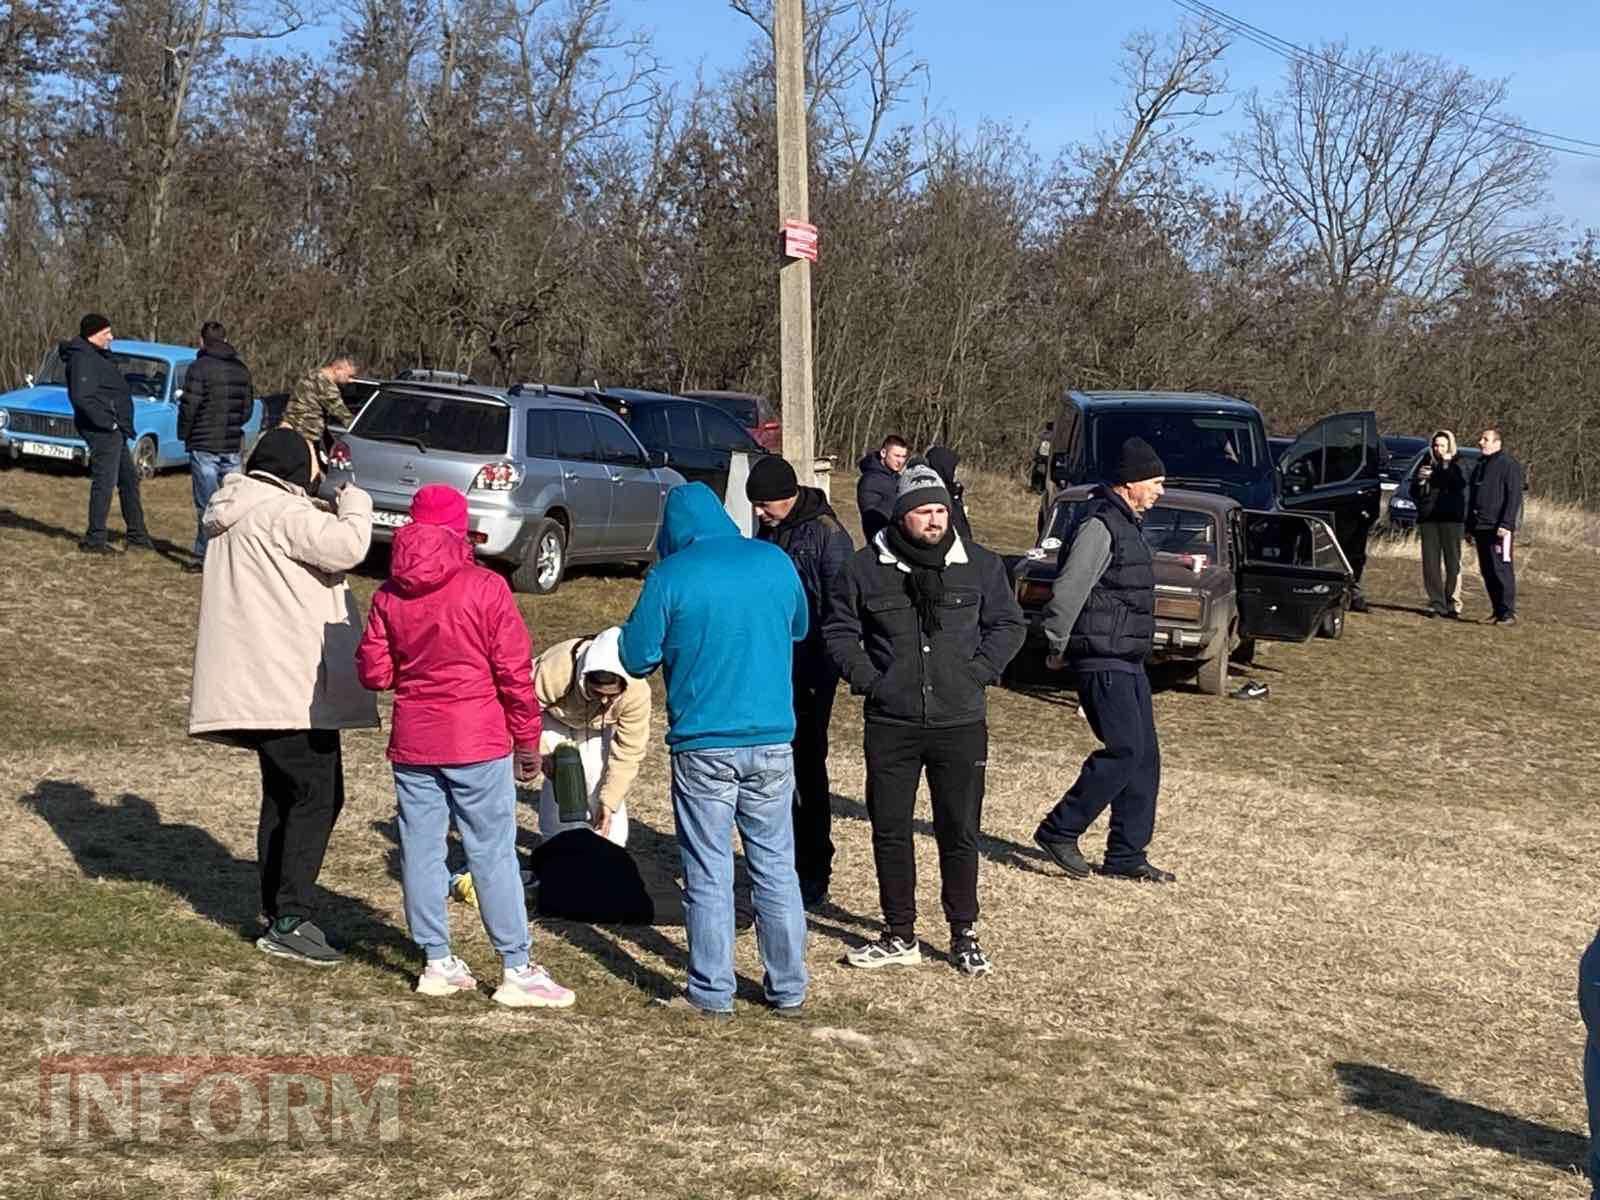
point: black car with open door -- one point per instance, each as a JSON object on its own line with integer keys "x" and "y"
{"x": 1227, "y": 578}
{"x": 1218, "y": 444}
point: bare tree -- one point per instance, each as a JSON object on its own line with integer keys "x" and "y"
{"x": 1399, "y": 168}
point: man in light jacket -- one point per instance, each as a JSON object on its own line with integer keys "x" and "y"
{"x": 275, "y": 666}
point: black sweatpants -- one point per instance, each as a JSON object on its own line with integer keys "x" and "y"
{"x": 111, "y": 467}
{"x": 813, "y": 797}
{"x": 302, "y": 792}
{"x": 1124, "y": 774}
{"x": 1499, "y": 576}
{"x": 955, "y": 760}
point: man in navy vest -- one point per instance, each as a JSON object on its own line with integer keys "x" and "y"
{"x": 1101, "y": 623}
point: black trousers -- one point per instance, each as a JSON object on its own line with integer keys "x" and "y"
{"x": 1124, "y": 774}
{"x": 813, "y": 795}
{"x": 111, "y": 467}
{"x": 1499, "y": 576}
{"x": 955, "y": 760}
{"x": 302, "y": 793}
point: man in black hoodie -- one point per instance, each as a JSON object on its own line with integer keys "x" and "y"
{"x": 921, "y": 622}
{"x": 1496, "y": 509}
{"x": 801, "y": 523}
{"x": 945, "y": 460}
{"x": 880, "y": 479}
{"x": 102, "y": 409}
{"x": 216, "y": 404}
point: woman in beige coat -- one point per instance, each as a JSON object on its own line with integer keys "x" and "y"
{"x": 274, "y": 665}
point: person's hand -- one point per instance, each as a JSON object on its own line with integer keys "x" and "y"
{"x": 601, "y": 821}
{"x": 525, "y": 764}
{"x": 1503, "y": 532}
{"x": 547, "y": 764}
{"x": 1055, "y": 661}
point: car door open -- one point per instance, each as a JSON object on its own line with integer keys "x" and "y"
{"x": 1292, "y": 571}
{"x": 1332, "y": 470}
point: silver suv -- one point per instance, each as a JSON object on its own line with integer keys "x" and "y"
{"x": 550, "y": 479}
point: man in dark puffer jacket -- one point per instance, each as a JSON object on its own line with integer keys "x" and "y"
{"x": 920, "y": 623}
{"x": 217, "y": 401}
{"x": 1101, "y": 620}
{"x": 102, "y": 410}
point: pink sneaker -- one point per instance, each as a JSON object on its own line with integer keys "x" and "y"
{"x": 532, "y": 987}
{"x": 446, "y": 977}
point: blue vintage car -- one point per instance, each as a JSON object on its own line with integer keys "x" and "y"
{"x": 36, "y": 420}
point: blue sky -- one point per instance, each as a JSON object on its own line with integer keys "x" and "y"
{"x": 1048, "y": 67}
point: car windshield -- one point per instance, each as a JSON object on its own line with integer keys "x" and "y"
{"x": 146, "y": 376}
{"x": 1192, "y": 445}
{"x": 458, "y": 424}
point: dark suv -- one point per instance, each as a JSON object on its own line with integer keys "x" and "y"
{"x": 693, "y": 438}
{"x": 1215, "y": 443}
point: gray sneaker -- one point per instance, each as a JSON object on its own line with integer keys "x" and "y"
{"x": 887, "y": 951}
{"x": 300, "y": 940}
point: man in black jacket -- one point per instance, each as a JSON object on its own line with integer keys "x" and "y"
{"x": 945, "y": 460}
{"x": 217, "y": 401}
{"x": 102, "y": 409}
{"x": 1492, "y": 520}
{"x": 800, "y": 522}
{"x": 1101, "y": 622}
{"x": 920, "y": 623}
{"x": 879, "y": 482}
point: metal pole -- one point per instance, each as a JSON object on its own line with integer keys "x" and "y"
{"x": 794, "y": 277}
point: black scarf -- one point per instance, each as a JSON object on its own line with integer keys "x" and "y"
{"x": 809, "y": 504}
{"x": 925, "y": 583}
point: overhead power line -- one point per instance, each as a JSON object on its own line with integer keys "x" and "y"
{"x": 1510, "y": 130}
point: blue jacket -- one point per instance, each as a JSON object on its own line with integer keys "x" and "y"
{"x": 721, "y": 615}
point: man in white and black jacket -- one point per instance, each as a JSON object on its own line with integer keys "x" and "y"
{"x": 1101, "y": 625}
{"x": 921, "y": 622}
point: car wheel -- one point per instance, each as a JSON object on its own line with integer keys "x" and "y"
{"x": 144, "y": 457}
{"x": 1332, "y": 624}
{"x": 1245, "y": 651}
{"x": 1213, "y": 676}
{"x": 544, "y": 561}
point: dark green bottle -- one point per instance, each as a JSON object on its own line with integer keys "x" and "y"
{"x": 572, "y": 788}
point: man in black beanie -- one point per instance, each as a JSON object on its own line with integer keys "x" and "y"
{"x": 1101, "y": 624}
{"x": 921, "y": 622}
{"x": 800, "y": 522}
{"x": 102, "y": 410}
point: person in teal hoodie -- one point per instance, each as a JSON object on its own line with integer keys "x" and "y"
{"x": 720, "y": 615}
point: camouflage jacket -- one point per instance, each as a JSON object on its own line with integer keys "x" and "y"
{"x": 314, "y": 402}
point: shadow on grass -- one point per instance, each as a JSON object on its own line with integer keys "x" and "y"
{"x": 1380, "y": 1090}
{"x": 126, "y": 840}
{"x": 11, "y": 519}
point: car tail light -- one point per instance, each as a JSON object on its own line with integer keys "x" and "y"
{"x": 497, "y": 477}
{"x": 1033, "y": 593}
{"x": 340, "y": 458}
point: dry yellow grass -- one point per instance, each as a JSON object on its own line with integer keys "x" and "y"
{"x": 1362, "y": 987}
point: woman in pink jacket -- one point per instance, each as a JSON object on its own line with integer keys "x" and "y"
{"x": 446, "y": 636}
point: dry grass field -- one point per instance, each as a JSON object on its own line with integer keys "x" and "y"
{"x": 1363, "y": 985}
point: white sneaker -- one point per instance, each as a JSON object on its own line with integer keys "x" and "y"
{"x": 886, "y": 952}
{"x": 532, "y": 987}
{"x": 446, "y": 977}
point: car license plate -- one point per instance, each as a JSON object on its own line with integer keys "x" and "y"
{"x": 392, "y": 519}
{"x": 47, "y": 450}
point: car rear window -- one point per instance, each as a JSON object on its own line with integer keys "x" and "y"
{"x": 746, "y": 412}
{"x": 1180, "y": 531}
{"x": 454, "y": 423}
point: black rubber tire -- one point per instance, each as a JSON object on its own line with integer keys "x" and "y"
{"x": 144, "y": 457}
{"x": 544, "y": 561}
{"x": 1245, "y": 651}
{"x": 1212, "y": 677}
{"x": 1332, "y": 626}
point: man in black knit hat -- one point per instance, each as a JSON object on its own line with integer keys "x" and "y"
{"x": 102, "y": 410}
{"x": 800, "y": 522}
{"x": 921, "y": 622}
{"x": 1101, "y": 625}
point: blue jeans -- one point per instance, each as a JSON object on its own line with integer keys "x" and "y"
{"x": 1589, "y": 1006}
{"x": 206, "y": 471}
{"x": 482, "y": 798}
{"x": 712, "y": 791}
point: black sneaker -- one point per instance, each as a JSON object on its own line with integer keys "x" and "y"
{"x": 966, "y": 954}
{"x": 1064, "y": 853}
{"x": 141, "y": 542}
{"x": 789, "y": 1012}
{"x": 194, "y": 568}
{"x": 89, "y": 547}
{"x": 1143, "y": 873}
{"x": 887, "y": 951}
{"x": 298, "y": 939}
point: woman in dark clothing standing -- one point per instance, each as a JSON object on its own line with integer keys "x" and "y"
{"x": 1441, "y": 490}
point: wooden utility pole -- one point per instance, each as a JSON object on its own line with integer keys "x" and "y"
{"x": 794, "y": 277}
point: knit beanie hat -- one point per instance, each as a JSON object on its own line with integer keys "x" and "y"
{"x": 1137, "y": 462}
{"x": 771, "y": 478}
{"x": 919, "y": 485}
{"x": 283, "y": 454}
{"x": 440, "y": 504}
{"x": 92, "y": 324}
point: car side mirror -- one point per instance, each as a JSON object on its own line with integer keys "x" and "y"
{"x": 657, "y": 458}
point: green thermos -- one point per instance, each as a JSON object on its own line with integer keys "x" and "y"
{"x": 572, "y": 789}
